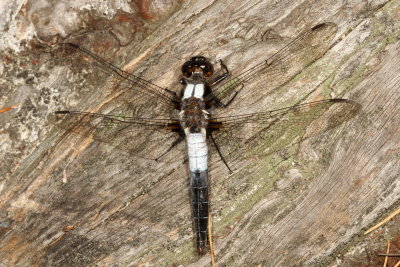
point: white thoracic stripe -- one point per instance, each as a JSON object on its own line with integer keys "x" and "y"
{"x": 197, "y": 151}
{"x": 196, "y": 90}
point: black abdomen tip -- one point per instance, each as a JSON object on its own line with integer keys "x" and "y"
{"x": 201, "y": 250}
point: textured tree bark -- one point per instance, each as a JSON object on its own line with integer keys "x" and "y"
{"x": 67, "y": 200}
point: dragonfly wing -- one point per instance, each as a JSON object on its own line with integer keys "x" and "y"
{"x": 257, "y": 135}
{"x": 142, "y": 137}
{"x": 103, "y": 88}
{"x": 100, "y": 71}
{"x": 286, "y": 63}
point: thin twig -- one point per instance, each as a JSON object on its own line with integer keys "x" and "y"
{"x": 387, "y": 252}
{"x": 210, "y": 241}
{"x": 388, "y": 255}
{"x": 383, "y": 221}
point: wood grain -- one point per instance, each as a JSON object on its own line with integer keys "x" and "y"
{"x": 66, "y": 200}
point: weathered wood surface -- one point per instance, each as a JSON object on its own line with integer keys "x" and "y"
{"x": 68, "y": 201}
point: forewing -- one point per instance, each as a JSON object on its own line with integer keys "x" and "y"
{"x": 286, "y": 63}
{"x": 133, "y": 82}
{"x": 93, "y": 82}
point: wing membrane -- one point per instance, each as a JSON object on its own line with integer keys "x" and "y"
{"x": 264, "y": 133}
{"x": 284, "y": 64}
{"x": 143, "y": 137}
{"x": 129, "y": 80}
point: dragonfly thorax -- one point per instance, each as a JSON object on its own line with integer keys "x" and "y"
{"x": 193, "y": 115}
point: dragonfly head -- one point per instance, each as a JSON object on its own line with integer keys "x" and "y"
{"x": 197, "y": 66}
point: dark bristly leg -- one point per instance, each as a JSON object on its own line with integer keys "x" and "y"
{"x": 219, "y": 153}
{"x": 220, "y": 104}
{"x": 177, "y": 141}
{"x": 221, "y": 77}
{"x": 199, "y": 196}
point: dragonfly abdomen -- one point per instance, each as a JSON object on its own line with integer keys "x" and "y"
{"x": 199, "y": 195}
{"x": 194, "y": 120}
{"x": 197, "y": 151}
{"x": 198, "y": 168}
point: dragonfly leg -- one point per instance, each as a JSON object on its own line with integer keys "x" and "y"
{"x": 219, "y": 153}
{"x": 176, "y": 142}
{"x": 222, "y": 105}
{"x": 221, "y": 77}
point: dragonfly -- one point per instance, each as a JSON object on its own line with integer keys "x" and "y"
{"x": 201, "y": 115}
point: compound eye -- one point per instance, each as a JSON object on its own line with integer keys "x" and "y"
{"x": 196, "y": 64}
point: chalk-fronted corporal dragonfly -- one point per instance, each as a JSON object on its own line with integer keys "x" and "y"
{"x": 203, "y": 113}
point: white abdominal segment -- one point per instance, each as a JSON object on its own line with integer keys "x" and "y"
{"x": 194, "y": 90}
{"x": 197, "y": 152}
